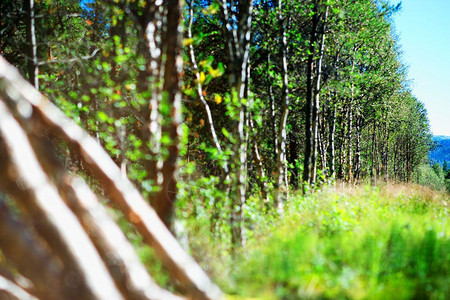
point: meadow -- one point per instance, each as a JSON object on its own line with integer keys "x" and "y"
{"x": 385, "y": 242}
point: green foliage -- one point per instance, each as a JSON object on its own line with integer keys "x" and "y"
{"x": 102, "y": 76}
{"x": 361, "y": 244}
{"x": 431, "y": 176}
{"x": 328, "y": 245}
{"x": 445, "y": 167}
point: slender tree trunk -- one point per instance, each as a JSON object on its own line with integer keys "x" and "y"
{"x": 331, "y": 143}
{"x": 150, "y": 81}
{"x": 240, "y": 193}
{"x": 293, "y": 159}
{"x": 378, "y": 153}
{"x": 349, "y": 143}
{"x": 203, "y": 101}
{"x": 32, "y": 60}
{"x": 209, "y": 117}
{"x": 350, "y": 128}
{"x": 373, "y": 174}
{"x": 386, "y": 148}
{"x": 281, "y": 173}
{"x": 395, "y": 162}
{"x": 316, "y": 103}
{"x": 238, "y": 21}
{"x": 273, "y": 113}
{"x": 358, "y": 149}
{"x": 262, "y": 181}
{"x": 309, "y": 99}
{"x": 165, "y": 199}
{"x": 342, "y": 157}
{"x": 322, "y": 147}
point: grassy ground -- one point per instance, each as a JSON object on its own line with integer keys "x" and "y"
{"x": 389, "y": 242}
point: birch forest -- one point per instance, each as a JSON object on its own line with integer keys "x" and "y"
{"x": 214, "y": 149}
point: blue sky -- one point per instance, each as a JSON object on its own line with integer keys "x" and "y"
{"x": 424, "y": 30}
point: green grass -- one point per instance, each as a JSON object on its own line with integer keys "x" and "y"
{"x": 363, "y": 243}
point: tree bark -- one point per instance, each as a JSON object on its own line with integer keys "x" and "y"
{"x": 164, "y": 202}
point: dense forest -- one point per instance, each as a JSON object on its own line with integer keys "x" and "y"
{"x": 221, "y": 114}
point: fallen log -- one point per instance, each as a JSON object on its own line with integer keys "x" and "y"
{"x": 39, "y": 200}
{"x": 116, "y": 251}
{"x": 26, "y": 103}
{"x": 11, "y": 291}
{"x": 28, "y": 254}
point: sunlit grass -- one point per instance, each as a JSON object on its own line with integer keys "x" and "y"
{"x": 390, "y": 242}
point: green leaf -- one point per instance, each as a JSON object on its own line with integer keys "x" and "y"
{"x": 225, "y": 132}
{"x": 102, "y": 116}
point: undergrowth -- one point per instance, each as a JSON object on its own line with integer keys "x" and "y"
{"x": 387, "y": 242}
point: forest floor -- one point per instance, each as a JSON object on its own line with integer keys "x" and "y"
{"x": 384, "y": 242}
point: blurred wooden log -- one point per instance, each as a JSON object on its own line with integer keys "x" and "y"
{"x": 11, "y": 291}
{"x": 27, "y": 103}
{"x": 122, "y": 261}
{"x": 29, "y": 256}
{"x": 27, "y": 183}
{"x": 124, "y": 265}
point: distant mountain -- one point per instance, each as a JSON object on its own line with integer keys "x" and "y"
{"x": 442, "y": 151}
{"x": 441, "y": 137}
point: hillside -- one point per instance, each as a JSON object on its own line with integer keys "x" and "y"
{"x": 442, "y": 151}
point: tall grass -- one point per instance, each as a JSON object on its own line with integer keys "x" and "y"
{"x": 377, "y": 243}
{"x": 390, "y": 242}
